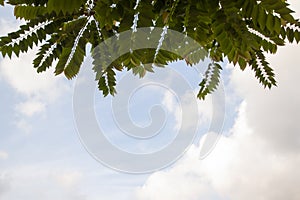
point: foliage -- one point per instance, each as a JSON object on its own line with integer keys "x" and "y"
{"x": 241, "y": 31}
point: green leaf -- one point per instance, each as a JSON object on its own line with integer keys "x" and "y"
{"x": 277, "y": 25}
{"x": 240, "y": 31}
{"x": 290, "y": 35}
{"x": 263, "y": 72}
{"x": 28, "y": 2}
{"x": 242, "y": 63}
{"x": 72, "y": 69}
{"x": 270, "y": 22}
{"x": 60, "y": 67}
{"x": 29, "y": 12}
{"x": 289, "y": 18}
{"x": 46, "y": 55}
{"x": 262, "y": 18}
{"x": 103, "y": 86}
{"x": 64, "y": 6}
{"x": 74, "y": 24}
{"x": 210, "y": 81}
{"x": 111, "y": 81}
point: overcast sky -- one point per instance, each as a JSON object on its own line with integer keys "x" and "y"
{"x": 257, "y": 157}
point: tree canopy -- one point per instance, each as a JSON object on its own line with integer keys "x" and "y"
{"x": 242, "y": 31}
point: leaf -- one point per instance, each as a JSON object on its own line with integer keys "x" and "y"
{"x": 263, "y": 72}
{"x": 242, "y": 63}
{"x": 29, "y": 12}
{"x": 111, "y": 80}
{"x": 72, "y": 69}
{"x": 270, "y": 22}
{"x": 241, "y": 31}
{"x": 64, "y": 6}
{"x": 262, "y": 18}
{"x": 103, "y": 86}
{"x": 72, "y": 25}
{"x": 277, "y": 25}
{"x": 60, "y": 67}
{"x": 210, "y": 81}
{"x": 46, "y": 55}
{"x": 140, "y": 70}
{"x": 28, "y": 2}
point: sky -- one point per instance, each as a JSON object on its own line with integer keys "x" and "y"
{"x": 256, "y": 156}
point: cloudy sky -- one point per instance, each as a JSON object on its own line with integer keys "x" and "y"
{"x": 257, "y": 156}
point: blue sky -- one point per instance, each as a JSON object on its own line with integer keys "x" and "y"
{"x": 41, "y": 156}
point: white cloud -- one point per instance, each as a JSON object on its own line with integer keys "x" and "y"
{"x": 4, "y": 184}
{"x": 204, "y": 108}
{"x": 68, "y": 179}
{"x": 9, "y": 26}
{"x": 24, "y": 126}
{"x": 37, "y": 91}
{"x": 20, "y": 74}
{"x": 40, "y": 181}
{"x": 240, "y": 167}
{"x": 260, "y": 159}
{"x": 169, "y": 102}
{"x": 3, "y": 155}
{"x": 295, "y": 5}
{"x": 275, "y": 113}
{"x": 30, "y": 107}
